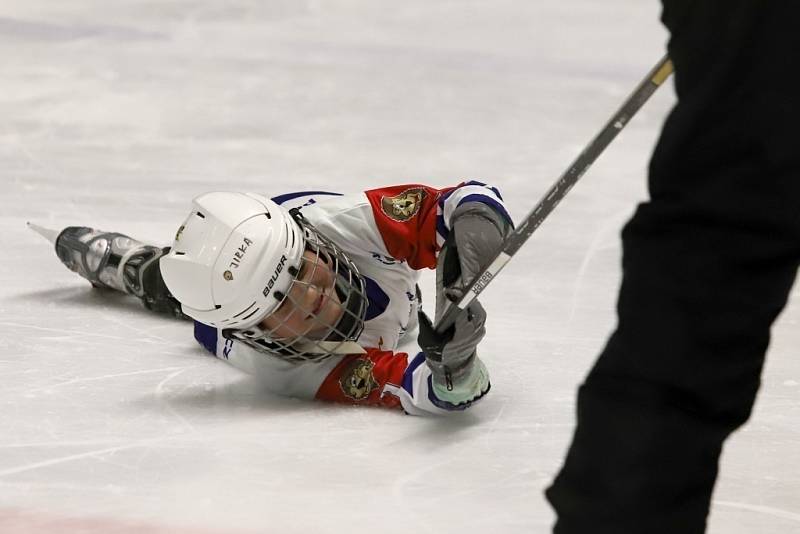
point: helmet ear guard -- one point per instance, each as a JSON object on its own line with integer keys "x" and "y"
{"x": 234, "y": 262}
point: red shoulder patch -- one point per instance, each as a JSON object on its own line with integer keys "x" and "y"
{"x": 406, "y": 218}
{"x": 362, "y": 379}
{"x": 404, "y": 206}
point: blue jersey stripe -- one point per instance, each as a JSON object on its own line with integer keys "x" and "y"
{"x": 491, "y": 188}
{"x": 441, "y": 229}
{"x": 281, "y": 199}
{"x": 377, "y": 299}
{"x": 408, "y": 375}
{"x": 489, "y": 201}
{"x": 206, "y": 336}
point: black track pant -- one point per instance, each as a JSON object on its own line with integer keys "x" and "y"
{"x": 707, "y": 266}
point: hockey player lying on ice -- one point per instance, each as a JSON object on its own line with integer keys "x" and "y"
{"x": 312, "y": 292}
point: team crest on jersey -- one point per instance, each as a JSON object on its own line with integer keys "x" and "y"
{"x": 404, "y": 206}
{"x": 357, "y": 381}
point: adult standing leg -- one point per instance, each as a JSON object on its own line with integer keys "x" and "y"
{"x": 708, "y": 264}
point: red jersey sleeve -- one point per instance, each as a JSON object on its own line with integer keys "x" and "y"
{"x": 407, "y": 217}
{"x": 373, "y": 379}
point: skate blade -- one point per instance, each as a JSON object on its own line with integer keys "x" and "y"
{"x": 50, "y": 235}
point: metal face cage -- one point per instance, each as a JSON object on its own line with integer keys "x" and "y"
{"x": 323, "y": 308}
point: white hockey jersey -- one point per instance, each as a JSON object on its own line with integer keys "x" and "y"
{"x": 390, "y": 234}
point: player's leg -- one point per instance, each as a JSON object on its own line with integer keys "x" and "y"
{"x": 708, "y": 265}
{"x": 116, "y": 261}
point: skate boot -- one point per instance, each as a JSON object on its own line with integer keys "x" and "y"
{"x": 115, "y": 261}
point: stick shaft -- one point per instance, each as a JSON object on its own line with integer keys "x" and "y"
{"x": 559, "y": 190}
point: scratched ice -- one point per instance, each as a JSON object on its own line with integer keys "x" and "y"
{"x": 116, "y": 113}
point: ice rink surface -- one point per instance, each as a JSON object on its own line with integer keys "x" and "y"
{"x": 115, "y": 114}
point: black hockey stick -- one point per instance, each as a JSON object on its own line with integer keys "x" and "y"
{"x": 558, "y": 191}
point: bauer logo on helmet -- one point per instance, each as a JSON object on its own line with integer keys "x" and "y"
{"x": 274, "y": 278}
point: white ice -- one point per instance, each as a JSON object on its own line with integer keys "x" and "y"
{"x": 114, "y": 114}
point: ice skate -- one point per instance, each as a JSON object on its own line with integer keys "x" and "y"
{"x": 114, "y": 261}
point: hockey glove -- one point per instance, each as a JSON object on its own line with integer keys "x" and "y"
{"x": 478, "y": 235}
{"x": 451, "y": 355}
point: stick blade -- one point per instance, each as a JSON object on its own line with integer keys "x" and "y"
{"x": 50, "y": 235}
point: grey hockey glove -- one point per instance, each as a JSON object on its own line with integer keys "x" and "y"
{"x": 478, "y": 235}
{"x": 451, "y": 355}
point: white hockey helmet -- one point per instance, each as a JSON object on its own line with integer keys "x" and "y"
{"x": 230, "y": 257}
{"x": 239, "y": 256}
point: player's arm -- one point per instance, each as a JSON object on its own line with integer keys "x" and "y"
{"x": 387, "y": 379}
{"x": 415, "y": 221}
{"x": 377, "y": 378}
{"x": 470, "y": 227}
